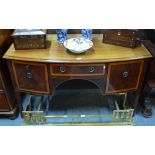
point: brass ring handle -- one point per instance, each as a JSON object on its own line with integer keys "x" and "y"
{"x": 125, "y": 74}
{"x": 91, "y": 69}
{"x": 29, "y": 75}
{"x": 62, "y": 69}
{"x": 119, "y": 33}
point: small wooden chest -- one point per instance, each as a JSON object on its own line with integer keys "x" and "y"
{"x": 29, "y": 39}
{"x": 122, "y": 37}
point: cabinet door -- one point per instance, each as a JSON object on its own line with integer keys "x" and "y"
{"x": 3, "y": 102}
{"x": 123, "y": 76}
{"x": 31, "y": 77}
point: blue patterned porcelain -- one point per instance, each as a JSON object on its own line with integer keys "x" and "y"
{"x": 87, "y": 34}
{"x": 78, "y": 45}
{"x": 61, "y": 35}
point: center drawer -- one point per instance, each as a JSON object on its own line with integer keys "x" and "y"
{"x": 77, "y": 70}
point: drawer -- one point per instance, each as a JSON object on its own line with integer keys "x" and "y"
{"x": 123, "y": 76}
{"x": 31, "y": 77}
{"x": 77, "y": 70}
{"x": 3, "y": 103}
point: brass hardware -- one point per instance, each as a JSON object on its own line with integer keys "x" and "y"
{"x": 123, "y": 115}
{"x": 118, "y": 117}
{"x": 119, "y": 33}
{"x": 34, "y": 119}
{"x": 29, "y": 75}
{"x": 124, "y": 102}
{"x": 125, "y": 74}
{"x": 39, "y": 119}
{"x": 91, "y": 69}
{"x": 62, "y": 69}
{"x": 27, "y": 118}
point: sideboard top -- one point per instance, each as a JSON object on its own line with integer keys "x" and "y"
{"x": 100, "y": 52}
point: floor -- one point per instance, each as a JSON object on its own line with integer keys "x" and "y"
{"x": 86, "y": 102}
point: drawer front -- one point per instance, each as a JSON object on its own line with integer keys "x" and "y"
{"x": 31, "y": 77}
{"x": 123, "y": 77}
{"x": 77, "y": 70}
{"x": 3, "y": 103}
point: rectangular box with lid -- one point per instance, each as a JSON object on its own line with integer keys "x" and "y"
{"x": 126, "y": 38}
{"x": 29, "y": 39}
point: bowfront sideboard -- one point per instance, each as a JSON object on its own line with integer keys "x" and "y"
{"x": 113, "y": 69}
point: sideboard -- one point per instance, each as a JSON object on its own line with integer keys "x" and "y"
{"x": 113, "y": 69}
{"x": 8, "y": 106}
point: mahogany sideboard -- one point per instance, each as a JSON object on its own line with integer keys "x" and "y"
{"x": 113, "y": 69}
{"x": 8, "y": 107}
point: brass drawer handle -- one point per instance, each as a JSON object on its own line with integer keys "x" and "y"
{"x": 29, "y": 75}
{"x": 91, "y": 69}
{"x": 62, "y": 69}
{"x": 125, "y": 74}
{"x": 119, "y": 33}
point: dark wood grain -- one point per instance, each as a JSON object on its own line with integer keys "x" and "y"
{"x": 1, "y": 87}
{"x": 98, "y": 81}
{"x": 7, "y": 96}
{"x": 123, "y": 76}
{"x": 110, "y": 63}
{"x": 3, "y": 102}
{"x": 7, "y": 84}
{"x": 120, "y": 37}
{"x": 77, "y": 70}
{"x": 31, "y": 77}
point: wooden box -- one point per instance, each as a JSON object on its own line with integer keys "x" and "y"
{"x": 122, "y": 37}
{"x": 29, "y": 39}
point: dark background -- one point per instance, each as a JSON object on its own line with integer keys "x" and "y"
{"x": 75, "y": 31}
{"x": 143, "y": 33}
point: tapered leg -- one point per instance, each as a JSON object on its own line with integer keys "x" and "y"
{"x": 19, "y": 102}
